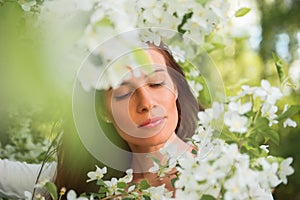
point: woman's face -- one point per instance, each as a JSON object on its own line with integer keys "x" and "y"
{"x": 143, "y": 109}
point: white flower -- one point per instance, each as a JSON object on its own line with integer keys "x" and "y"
{"x": 202, "y": 134}
{"x": 128, "y": 177}
{"x": 215, "y": 111}
{"x": 42, "y": 182}
{"x": 248, "y": 90}
{"x": 204, "y": 118}
{"x": 209, "y": 172}
{"x": 187, "y": 194}
{"x": 177, "y": 53}
{"x": 265, "y": 148}
{"x": 235, "y": 188}
{"x": 84, "y": 5}
{"x": 220, "y": 8}
{"x": 240, "y": 108}
{"x": 88, "y": 76}
{"x": 289, "y": 122}
{"x": 204, "y": 18}
{"x": 112, "y": 186}
{"x": 187, "y": 181}
{"x": 235, "y": 122}
{"x": 28, "y": 195}
{"x": 149, "y": 36}
{"x": 268, "y": 93}
{"x": 195, "y": 73}
{"x": 268, "y": 111}
{"x": 153, "y": 15}
{"x": 185, "y": 6}
{"x": 71, "y": 195}
{"x": 98, "y": 174}
{"x": 97, "y": 16}
{"x": 166, "y": 168}
{"x": 159, "y": 193}
{"x": 285, "y": 169}
{"x": 195, "y": 86}
{"x": 169, "y": 149}
{"x": 131, "y": 188}
{"x": 193, "y": 32}
{"x": 267, "y": 177}
{"x": 26, "y": 5}
{"x": 228, "y": 154}
{"x": 123, "y": 14}
{"x": 154, "y": 168}
{"x": 187, "y": 162}
{"x": 294, "y": 73}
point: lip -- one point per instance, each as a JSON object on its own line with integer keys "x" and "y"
{"x": 152, "y": 122}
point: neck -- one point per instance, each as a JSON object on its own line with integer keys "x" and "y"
{"x": 142, "y": 155}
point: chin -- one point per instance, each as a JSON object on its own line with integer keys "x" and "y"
{"x": 155, "y": 140}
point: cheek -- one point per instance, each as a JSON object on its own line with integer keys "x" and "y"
{"x": 172, "y": 111}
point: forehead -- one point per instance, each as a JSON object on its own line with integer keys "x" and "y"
{"x": 137, "y": 64}
{"x": 157, "y": 62}
{"x": 156, "y": 57}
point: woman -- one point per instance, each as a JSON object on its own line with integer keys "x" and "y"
{"x": 141, "y": 115}
{"x": 161, "y": 108}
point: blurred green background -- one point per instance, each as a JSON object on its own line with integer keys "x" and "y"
{"x": 38, "y": 67}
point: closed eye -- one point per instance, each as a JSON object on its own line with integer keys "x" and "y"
{"x": 123, "y": 96}
{"x": 154, "y": 85}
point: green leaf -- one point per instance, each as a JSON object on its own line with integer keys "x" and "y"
{"x": 100, "y": 196}
{"x": 251, "y": 150}
{"x": 146, "y": 197}
{"x": 104, "y": 22}
{"x": 207, "y": 197}
{"x": 294, "y": 109}
{"x": 241, "y": 12}
{"x": 100, "y": 182}
{"x": 102, "y": 190}
{"x": 261, "y": 123}
{"x": 184, "y": 20}
{"x": 144, "y": 185}
{"x": 121, "y": 185}
{"x": 273, "y": 135}
{"x": 194, "y": 152}
{"x": 156, "y": 160}
{"x": 173, "y": 180}
{"x": 51, "y": 188}
{"x": 262, "y": 126}
{"x": 279, "y": 67}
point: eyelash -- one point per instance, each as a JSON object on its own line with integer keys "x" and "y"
{"x": 157, "y": 84}
{"x": 153, "y": 85}
{"x": 118, "y": 98}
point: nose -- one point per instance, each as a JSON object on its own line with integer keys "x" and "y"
{"x": 143, "y": 99}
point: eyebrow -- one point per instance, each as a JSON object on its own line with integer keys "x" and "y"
{"x": 155, "y": 71}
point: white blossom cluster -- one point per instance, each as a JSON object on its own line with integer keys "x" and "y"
{"x": 225, "y": 172}
{"x": 257, "y": 99}
{"x": 265, "y": 98}
{"x": 216, "y": 168}
{"x": 220, "y": 169}
{"x": 112, "y": 17}
{"x": 113, "y": 189}
{"x": 156, "y": 20}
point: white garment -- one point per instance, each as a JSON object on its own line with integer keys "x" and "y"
{"x": 17, "y": 177}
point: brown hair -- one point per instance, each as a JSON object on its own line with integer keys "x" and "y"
{"x": 74, "y": 160}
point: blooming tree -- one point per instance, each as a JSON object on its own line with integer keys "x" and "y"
{"x": 231, "y": 160}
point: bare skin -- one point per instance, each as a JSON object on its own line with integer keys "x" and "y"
{"x": 143, "y": 110}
